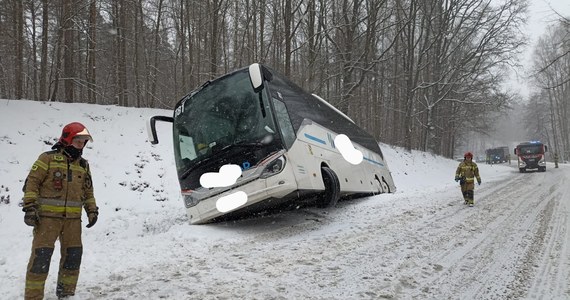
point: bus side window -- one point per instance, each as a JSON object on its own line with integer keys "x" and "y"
{"x": 284, "y": 121}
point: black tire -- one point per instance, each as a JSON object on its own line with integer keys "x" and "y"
{"x": 387, "y": 186}
{"x": 381, "y": 191}
{"x": 384, "y": 187}
{"x": 331, "y": 195}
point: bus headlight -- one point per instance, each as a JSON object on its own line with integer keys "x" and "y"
{"x": 273, "y": 167}
{"x": 190, "y": 200}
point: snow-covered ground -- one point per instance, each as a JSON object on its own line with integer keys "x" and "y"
{"x": 419, "y": 243}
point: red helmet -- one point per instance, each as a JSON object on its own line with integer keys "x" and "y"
{"x": 72, "y": 130}
{"x": 468, "y": 154}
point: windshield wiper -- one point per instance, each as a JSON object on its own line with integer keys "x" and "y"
{"x": 203, "y": 161}
{"x": 241, "y": 145}
{"x": 263, "y": 113}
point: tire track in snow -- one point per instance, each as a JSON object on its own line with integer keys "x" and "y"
{"x": 472, "y": 268}
{"x": 550, "y": 281}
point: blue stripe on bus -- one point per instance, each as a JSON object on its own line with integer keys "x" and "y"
{"x": 316, "y": 139}
{"x": 373, "y": 161}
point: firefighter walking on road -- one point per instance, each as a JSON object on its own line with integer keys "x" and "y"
{"x": 57, "y": 188}
{"x": 466, "y": 173}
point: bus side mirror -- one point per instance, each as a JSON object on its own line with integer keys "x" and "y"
{"x": 151, "y": 127}
{"x": 515, "y": 151}
{"x": 256, "y": 76}
{"x": 545, "y": 148}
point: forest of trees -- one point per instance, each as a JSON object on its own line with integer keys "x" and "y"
{"x": 548, "y": 111}
{"x": 414, "y": 73}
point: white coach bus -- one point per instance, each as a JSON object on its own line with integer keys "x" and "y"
{"x": 281, "y": 137}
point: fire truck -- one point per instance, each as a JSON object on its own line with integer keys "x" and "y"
{"x": 531, "y": 156}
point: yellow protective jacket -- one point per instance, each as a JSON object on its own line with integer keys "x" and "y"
{"x": 469, "y": 171}
{"x": 59, "y": 188}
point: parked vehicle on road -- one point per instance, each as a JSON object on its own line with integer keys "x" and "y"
{"x": 497, "y": 155}
{"x": 531, "y": 156}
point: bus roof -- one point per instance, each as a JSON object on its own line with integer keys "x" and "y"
{"x": 303, "y": 105}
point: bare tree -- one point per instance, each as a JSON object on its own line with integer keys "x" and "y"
{"x": 19, "y": 48}
{"x": 68, "y": 50}
{"x": 58, "y": 45}
{"x": 553, "y": 70}
{"x": 91, "y": 50}
{"x": 44, "y": 52}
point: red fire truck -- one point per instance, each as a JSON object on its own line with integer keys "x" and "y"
{"x": 531, "y": 156}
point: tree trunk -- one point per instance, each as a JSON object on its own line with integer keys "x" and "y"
{"x": 58, "y": 60}
{"x": 91, "y": 51}
{"x": 44, "y": 51}
{"x": 155, "y": 54}
{"x": 137, "y": 26}
{"x": 68, "y": 51}
{"x": 19, "y": 49}
{"x": 34, "y": 83}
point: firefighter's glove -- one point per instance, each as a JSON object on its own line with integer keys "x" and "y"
{"x": 32, "y": 218}
{"x": 479, "y": 182}
{"x": 92, "y": 216}
{"x": 457, "y": 178}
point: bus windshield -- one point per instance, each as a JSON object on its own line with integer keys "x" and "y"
{"x": 223, "y": 115}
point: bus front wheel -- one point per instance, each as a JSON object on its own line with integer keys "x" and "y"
{"x": 331, "y": 194}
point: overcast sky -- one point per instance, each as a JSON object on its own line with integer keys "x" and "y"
{"x": 542, "y": 13}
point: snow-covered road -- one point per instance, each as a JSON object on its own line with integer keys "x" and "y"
{"x": 514, "y": 244}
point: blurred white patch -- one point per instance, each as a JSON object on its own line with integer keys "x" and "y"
{"x": 231, "y": 202}
{"x": 350, "y": 154}
{"x": 226, "y": 177}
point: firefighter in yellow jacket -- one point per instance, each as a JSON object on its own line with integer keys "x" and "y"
{"x": 57, "y": 188}
{"x": 466, "y": 173}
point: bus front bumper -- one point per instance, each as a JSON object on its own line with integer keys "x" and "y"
{"x": 253, "y": 192}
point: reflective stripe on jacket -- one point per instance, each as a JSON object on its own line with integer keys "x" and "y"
{"x": 469, "y": 171}
{"x": 58, "y": 187}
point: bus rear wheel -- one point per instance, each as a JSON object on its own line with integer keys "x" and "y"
{"x": 331, "y": 195}
{"x": 384, "y": 188}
